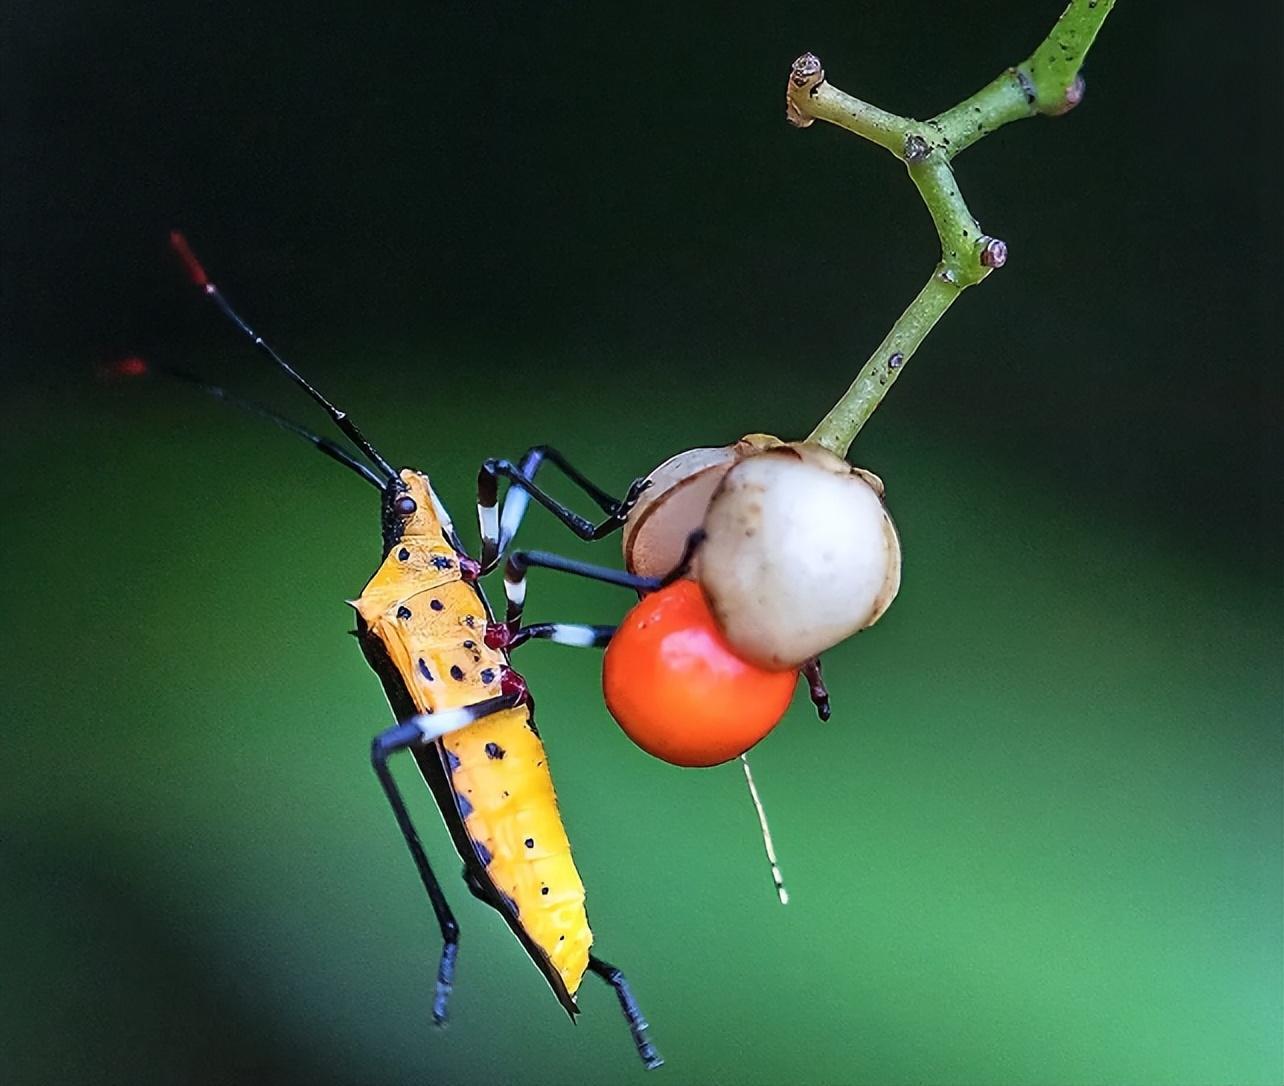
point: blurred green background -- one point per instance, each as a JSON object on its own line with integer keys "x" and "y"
{"x": 1040, "y": 841}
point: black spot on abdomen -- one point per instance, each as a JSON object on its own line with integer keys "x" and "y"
{"x": 423, "y": 670}
{"x": 403, "y": 612}
{"x": 495, "y": 752}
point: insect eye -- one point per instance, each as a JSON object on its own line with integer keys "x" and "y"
{"x": 405, "y": 505}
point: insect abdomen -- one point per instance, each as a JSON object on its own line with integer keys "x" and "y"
{"x": 499, "y": 771}
{"x": 432, "y": 627}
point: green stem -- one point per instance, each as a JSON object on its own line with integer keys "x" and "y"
{"x": 1047, "y": 82}
{"x": 828, "y": 103}
{"x": 836, "y": 430}
{"x": 958, "y": 231}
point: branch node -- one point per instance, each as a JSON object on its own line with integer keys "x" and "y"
{"x": 1073, "y": 96}
{"x": 916, "y": 148}
{"x": 994, "y": 252}
{"x": 1026, "y": 84}
{"x": 806, "y": 74}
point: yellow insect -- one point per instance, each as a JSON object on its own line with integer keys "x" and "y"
{"x": 465, "y": 715}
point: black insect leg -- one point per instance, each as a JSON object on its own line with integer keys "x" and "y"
{"x": 629, "y": 1005}
{"x": 386, "y": 743}
{"x": 538, "y": 455}
{"x": 400, "y": 737}
{"x": 515, "y": 591}
{"x": 694, "y": 540}
{"x": 497, "y": 532}
{"x": 520, "y": 561}
{"x": 816, "y": 687}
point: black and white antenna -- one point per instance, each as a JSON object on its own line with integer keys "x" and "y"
{"x": 767, "y": 844}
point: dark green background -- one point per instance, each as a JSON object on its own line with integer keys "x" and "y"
{"x": 1040, "y": 842}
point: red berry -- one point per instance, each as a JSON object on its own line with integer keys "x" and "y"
{"x": 679, "y": 692}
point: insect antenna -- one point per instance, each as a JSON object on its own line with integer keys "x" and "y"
{"x": 767, "y": 845}
{"x": 136, "y": 367}
{"x": 198, "y": 276}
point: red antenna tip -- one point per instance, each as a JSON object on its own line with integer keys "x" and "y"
{"x": 125, "y": 368}
{"x": 133, "y": 366}
{"x": 179, "y": 244}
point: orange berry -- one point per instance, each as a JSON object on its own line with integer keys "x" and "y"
{"x": 673, "y": 684}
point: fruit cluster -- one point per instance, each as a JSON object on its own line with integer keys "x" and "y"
{"x": 796, "y": 552}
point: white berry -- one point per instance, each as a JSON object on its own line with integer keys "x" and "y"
{"x": 799, "y": 550}
{"x": 799, "y": 554}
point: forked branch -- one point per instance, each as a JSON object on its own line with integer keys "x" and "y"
{"x": 1048, "y": 82}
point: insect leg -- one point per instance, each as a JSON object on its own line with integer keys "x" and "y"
{"x": 629, "y": 1005}
{"x": 517, "y": 499}
{"x": 694, "y": 540}
{"x": 508, "y": 635}
{"x": 519, "y": 561}
{"x": 564, "y": 633}
{"x": 816, "y": 687}
{"x": 412, "y": 732}
{"x": 496, "y": 535}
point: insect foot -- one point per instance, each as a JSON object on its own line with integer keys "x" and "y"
{"x": 445, "y": 974}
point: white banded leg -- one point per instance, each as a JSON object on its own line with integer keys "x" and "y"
{"x": 520, "y": 561}
{"x": 516, "y": 502}
{"x": 488, "y": 517}
{"x": 577, "y": 635}
{"x": 514, "y": 591}
{"x": 433, "y": 726}
{"x": 498, "y": 529}
{"x": 427, "y": 727}
{"x": 518, "y": 499}
{"x": 488, "y": 526}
